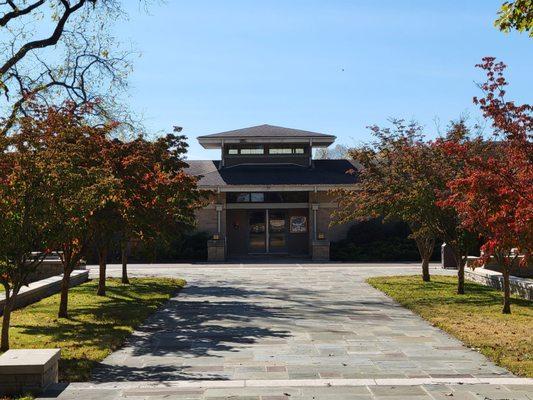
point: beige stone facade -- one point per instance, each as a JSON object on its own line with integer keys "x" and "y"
{"x": 271, "y": 198}
{"x": 218, "y": 219}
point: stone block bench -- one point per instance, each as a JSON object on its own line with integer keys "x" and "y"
{"x": 38, "y": 290}
{"x": 28, "y": 370}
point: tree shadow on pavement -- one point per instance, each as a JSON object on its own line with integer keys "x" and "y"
{"x": 186, "y": 329}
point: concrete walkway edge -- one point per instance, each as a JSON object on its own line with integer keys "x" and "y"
{"x": 299, "y": 383}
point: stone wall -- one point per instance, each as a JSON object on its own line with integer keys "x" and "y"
{"x": 48, "y": 268}
{"x": 326, "y": 207}
{"x": 206, "y": 218}
{"x": 43, "y": 288}
{"x": 519, "y": 286}
{"x": 216, "y": 250}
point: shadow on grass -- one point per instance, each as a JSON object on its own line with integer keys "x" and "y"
{"x": 95, "y": 326}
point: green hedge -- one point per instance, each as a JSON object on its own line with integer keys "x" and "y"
{"x": 184, "y": 247}
{"x": 373, "y": 240}
{"x": 187, "y": 247}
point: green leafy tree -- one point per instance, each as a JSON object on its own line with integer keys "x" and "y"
{"x": 388, "y": 187}
{"x": 155, "y": 200}
{"x": 105, "y": 223}
{"x": 517, "y": 14}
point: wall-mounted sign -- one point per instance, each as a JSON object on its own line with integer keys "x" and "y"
{"x": 298, "y": 224}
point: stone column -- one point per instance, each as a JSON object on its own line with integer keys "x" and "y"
{"x": 218, "y": 208}
{"x": 216, "y": 247}
{"x": 319, "y": 243}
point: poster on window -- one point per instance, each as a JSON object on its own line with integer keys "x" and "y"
{"x": 298, "y": 224}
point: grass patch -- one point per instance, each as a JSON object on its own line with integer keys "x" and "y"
{"x": 96, "y": 325}
{"x": 474, "y": 318}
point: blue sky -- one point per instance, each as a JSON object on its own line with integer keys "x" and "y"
{"x": 328, "y": 66}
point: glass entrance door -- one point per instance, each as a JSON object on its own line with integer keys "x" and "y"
{"x": 267, "y": 231}
{"x": 257, "y": 233}
{"x": 277, "y": 231}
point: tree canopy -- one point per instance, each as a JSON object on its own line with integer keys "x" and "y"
{"x": 494, "y": 194}
{"x": 58, "y": 50}
{"x": 518, "y": 15}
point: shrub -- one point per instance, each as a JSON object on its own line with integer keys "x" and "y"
{"x": 373, "y": 240}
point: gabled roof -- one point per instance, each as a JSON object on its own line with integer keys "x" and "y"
{"x": 325, "y": 172}
{"x": 265, "y": 134}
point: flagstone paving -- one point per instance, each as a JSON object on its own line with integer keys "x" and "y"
{"x": 290, "y": 332}
{"x": 376, "y": 392}
{"x": 288, "y": 323}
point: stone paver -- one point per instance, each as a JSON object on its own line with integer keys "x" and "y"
{"x": 290, "y": 332}
{"x": 389, "y": 392}
{"x": 288, "y": 322}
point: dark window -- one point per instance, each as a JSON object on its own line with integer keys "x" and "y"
{"x": 267, "y": 197}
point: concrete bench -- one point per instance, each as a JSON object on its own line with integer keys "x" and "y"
{"x": 28, "y": 370}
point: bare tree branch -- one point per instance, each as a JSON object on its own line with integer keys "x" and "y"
{"x": 18, "y": 12}
{"x": 50, "y": 41}
{"x": 83, "y": 63}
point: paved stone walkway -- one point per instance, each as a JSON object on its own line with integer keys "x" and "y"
{"x": 292, "y": 332}
{"x": 287, "y": 323}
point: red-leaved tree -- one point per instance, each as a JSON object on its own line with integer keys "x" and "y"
{"x": 156, "y": 198}
{"x": 401, "y": 176}
{"x": 494, "y": 195}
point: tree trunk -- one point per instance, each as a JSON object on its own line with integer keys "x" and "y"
{"x": 506, "y": 291}
{"x": 63, "y": 303}
{"x": 6, "y": 319}
{"x": 460, "y": 262}
{"x": 425, "y": 270}
{"x": 124, "y": 255}
{"x": 461, "y": 278}
{"x": 102, "y": 261}
{"x": 425, "y": 248}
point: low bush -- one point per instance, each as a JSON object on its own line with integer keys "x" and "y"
{"x": 373, "y": 240}
{"x": 187, "y": 247}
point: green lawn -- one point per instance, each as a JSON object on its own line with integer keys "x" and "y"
{"x": 475, "y": 318}
{"x": 96, "y": 325}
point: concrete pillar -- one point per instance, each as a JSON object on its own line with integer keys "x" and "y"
{"x": 216, "y": 250}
